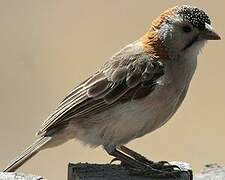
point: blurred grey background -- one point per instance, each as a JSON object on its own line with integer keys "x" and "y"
{"x": 49, "y": 46}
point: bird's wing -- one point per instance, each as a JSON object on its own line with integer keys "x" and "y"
{"x": 121, "y": 79}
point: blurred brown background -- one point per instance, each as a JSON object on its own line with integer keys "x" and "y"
{"x": 47, "y": 47}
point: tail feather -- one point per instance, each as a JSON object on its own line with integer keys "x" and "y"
{"x": 27, "y": 154}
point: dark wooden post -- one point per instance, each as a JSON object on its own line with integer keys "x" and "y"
{"x": 85, "y": 171}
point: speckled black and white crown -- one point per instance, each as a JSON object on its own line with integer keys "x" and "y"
{"x": 193, "y": 15}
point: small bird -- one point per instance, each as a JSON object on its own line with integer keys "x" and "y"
{"x": 134, "y": 93}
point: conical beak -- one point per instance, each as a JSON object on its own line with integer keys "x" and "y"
{"x": 209, "y": 34}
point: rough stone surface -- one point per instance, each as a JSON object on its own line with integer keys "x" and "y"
{"x": 211, "y": 172}
{"x": 19, "y": 176}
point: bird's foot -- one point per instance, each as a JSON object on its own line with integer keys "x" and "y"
{"x": 138, "y": 165}
{"x": 140, "y": 158}
{"x": 164, "y": 165}
{"x": 161, "y": 169}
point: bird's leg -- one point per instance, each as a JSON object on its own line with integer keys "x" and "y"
{"x": 136, "y": 167}
{"x": 161, "y": 165}
{"x": 125, "y": 159}
{"x": 135, "y": 155}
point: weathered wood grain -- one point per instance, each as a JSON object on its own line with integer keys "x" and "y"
{"x": 85, "y": 171}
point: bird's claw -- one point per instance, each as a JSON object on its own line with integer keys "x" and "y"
{"x": 113, "y": 160}
{"x": 124, "y": 164}
{"x": 164, "y": 165}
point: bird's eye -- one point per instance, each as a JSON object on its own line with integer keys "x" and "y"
{"x": 186, "y": 29}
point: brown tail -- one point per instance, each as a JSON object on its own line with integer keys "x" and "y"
{"x": 27, "y": 154}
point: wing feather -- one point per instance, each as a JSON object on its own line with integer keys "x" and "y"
{"x": 122, "y": 78}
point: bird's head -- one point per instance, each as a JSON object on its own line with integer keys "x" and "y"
{"x": 179, "y": 30}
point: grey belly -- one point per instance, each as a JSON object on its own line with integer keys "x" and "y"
{"x": 128, "y": 121}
